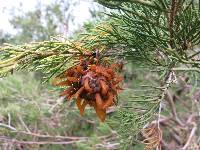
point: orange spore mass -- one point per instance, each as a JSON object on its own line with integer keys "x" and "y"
{"x": 109, "y": 102}
{"x": 99, "y": 101}
{"x": 92, "y": 82}
{"x": 87, "y": 86}
{"x": 82, "y": 110}
{"x": 104, "y": 87}
{"x": 101, "y": 113}
{"x": 72, "y": 79}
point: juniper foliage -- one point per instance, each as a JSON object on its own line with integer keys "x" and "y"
{"x": 160, "y": 36}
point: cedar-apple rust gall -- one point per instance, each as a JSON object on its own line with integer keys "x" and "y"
{"x": 92, "y": 82}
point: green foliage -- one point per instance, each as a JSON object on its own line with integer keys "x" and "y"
{"x": 160, "y": 37}
{"x": 50, "y": 57}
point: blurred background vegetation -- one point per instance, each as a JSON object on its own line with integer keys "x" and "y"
{"x": 29, "y": 106}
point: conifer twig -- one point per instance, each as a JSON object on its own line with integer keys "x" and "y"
{"x": 8, "y": 126}
{"x": 14, "y": 141}
{"x": 50, "y": 136}
{"x": 190, "y": 137}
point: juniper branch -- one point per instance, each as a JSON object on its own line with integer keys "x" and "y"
{"x": 116, "y": 3}
{"x": 39, "y": 56}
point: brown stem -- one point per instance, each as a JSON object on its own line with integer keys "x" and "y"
{"x": 169, "y": 98}
{"x": 5, "y": 139}
{"x": 192, "y": 133}
{"x": 171, "y": 20}
{"x": 52, "y": 137}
